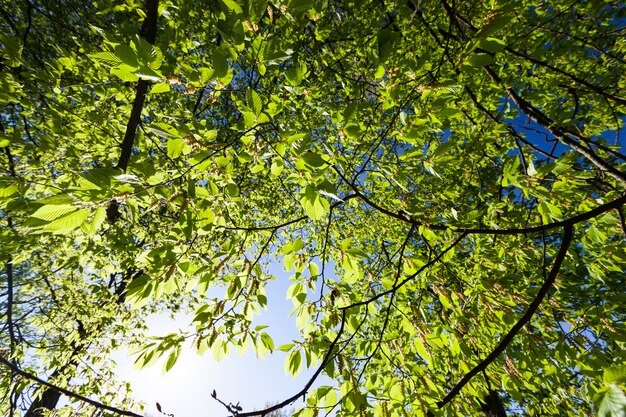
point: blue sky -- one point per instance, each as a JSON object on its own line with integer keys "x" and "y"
{"x": 185, "y": 390}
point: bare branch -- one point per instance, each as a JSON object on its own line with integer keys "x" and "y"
{"x": 409, "y": 278}
{"x": 559, "y": 133}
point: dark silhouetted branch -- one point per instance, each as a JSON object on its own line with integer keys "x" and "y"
{"x": 530, "y": 312}
{"x": 64, "y": 391}
{"x": 327, "y": 358}
{"x": 148, "y": 32}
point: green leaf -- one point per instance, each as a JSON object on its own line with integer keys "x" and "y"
{"x": 231, "y": 6}
{"x": 387, "y": 39}
{"x": 8, "y": 190}
{"x": 267, "y": 341}
{"x": 12, "y": 48}
{"x": 171, "y": 359}
{"x": 127, "y": 55}
{"x": 615, "y": 375}
{"x": 610, "y": 401}
{"x": 421, "y": 349}
{"x": 445, "y": 302}
{"x": 207, "y": 214}
{"x": 125, "y": 73}
{"x": 492, "y": 45}
{"x": 315, "y": 206}
{"x": 220, "y": 350}
{"x": 293, "y": 363}
{"x": 349, "y": 111}
{"x": 277, "y": 167}
{"x": 52, "y": 212}
{"x": 232, "y": 190}
{"x": 314, "y": 270}
{"x": 313, "y": 160}
{"x": 164, "y": 130}
{"x": 160, "y": 88}
{"x": 286, "y": 348}
{"x": 295, "y": 246}
{"x": 254, "y": 102}
{"x": 107, "y": 58}
{"x": 299, "y": 6}
{"x": 148, "y": 54}
{"x": 549, "y": 212}
{"x": 297, "y": 293}
{"x": 380, "y": 72}
{"x": 98, "y": 219}
{"x": 175, "y": 147}
{"x": 146, "y": 73}
{"x": 442, "y": 150}
{"x": 220, "y": 64}
{"x": 68, "y": 223}
{"x": 480, "y": 60}
{"x": 296, "y": 72}
{"x": 594, "y": 235}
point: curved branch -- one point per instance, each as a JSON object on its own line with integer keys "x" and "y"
{"x": 327, "y": 358}
{"x": 407, "y": 218}
{"x": 287, "y": 223}
{"x": 530, "y": 312}
{"x": 383, "y": 329}
{"x": 9, "y": 264}
{"x": 148, "y": 32}
{"x": 67, "y": 392}
{"x": 561, "y": 134}
{"x": 572, "y": 77}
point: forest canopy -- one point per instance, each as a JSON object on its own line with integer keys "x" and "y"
{"x": 444, "y": 181}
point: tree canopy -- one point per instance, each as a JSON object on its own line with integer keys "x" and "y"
{"x": 445, "y": 180}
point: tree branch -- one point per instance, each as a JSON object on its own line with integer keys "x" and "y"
{"x": 9, "y": 264}
{"x": 67, "y": 392}
{"x": 287, "y": 223}
{"x": 561, "y": 134}
{"x": 407, "y": 218}
{"x": 530, "y": 312}
{"x": 148, "y": 32}
{"x": 409, "y": 278}
{"x": 572, "y": 77}
{"x": 327, "y": 358}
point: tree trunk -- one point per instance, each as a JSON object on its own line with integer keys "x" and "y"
{"x": 492, "y": 405}
{"x": 50, "y": 397}
{"x": 48, "y": 400}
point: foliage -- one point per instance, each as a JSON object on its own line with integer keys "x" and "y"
{"x": 444, "y": 180}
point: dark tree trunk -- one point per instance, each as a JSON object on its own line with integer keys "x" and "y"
{"x": 48, "y": 400}
{"x": 492, "y": 405}
{"x": 50, "y": 397}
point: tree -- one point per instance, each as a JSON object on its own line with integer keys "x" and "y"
{"x": 445, "y": 180}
